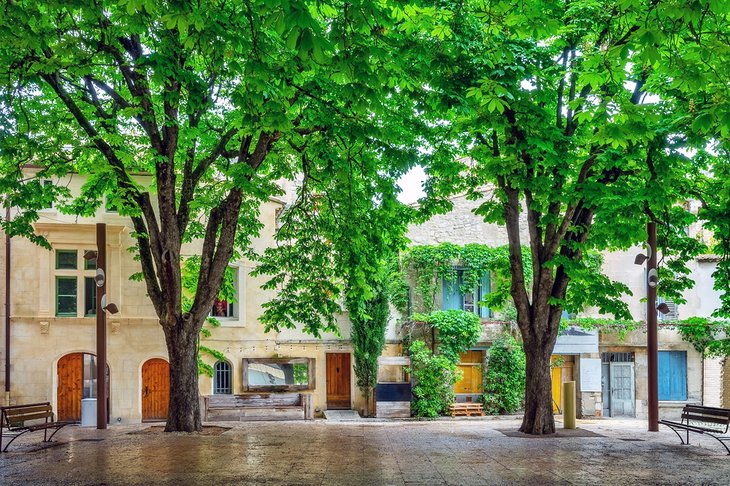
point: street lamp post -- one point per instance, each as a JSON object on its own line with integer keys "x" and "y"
{"x": 652, "y": 279}
{"x": 102, "y": 307}
{"x": 101, "y": 395}
{"x": 651, "y": 330}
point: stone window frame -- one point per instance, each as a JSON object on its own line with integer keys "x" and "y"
{"x": 84, "y": 270}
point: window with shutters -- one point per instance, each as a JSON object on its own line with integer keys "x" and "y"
{"x": 672, "y": 371}
{"x": 456, "y": 297}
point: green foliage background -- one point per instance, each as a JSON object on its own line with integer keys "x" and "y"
{"x": 435, "y": 376}
{"x": 504, "y": 380}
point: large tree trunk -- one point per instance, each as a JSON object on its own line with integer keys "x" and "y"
{"x": 184, "y": 412}
{"x": 538, "y": 419}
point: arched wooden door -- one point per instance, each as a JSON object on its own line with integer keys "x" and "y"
{"x": 70, "y": 387}
{"x": 155, "y": 389}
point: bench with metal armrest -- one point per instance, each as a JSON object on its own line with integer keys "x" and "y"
{"x": 711, "y": 421}
{"x": 14, "y": 421}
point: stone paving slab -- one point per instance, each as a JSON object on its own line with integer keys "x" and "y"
{"x": 443, "y": 452}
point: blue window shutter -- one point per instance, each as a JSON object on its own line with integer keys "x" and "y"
{"x": 486, "y": 287}
{"x": 672, "y": 370}
{"x": 451, "y": 295}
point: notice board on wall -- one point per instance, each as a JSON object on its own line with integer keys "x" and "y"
{"x": 590, "y": 374}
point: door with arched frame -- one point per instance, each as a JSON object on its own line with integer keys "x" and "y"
{"x": 76, "y": 381}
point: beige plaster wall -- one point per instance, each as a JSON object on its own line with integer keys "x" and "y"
{"x": 40, "y": 339}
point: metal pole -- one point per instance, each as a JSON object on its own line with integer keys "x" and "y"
{"x": 7, "y": 310}
{"x": 651, "y": 335}
{"x": 101, "y": 395}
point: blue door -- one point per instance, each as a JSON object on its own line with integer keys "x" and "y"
{"x": 672, "y": 368}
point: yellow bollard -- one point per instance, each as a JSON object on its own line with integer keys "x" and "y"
{"x": 569, "y": 405}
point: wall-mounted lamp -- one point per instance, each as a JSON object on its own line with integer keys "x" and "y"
{"x": 641, "y": 258}
{"x": 663, "y": 308}
{"x": 111, "y": 307}
{"x": 652, "y": 277}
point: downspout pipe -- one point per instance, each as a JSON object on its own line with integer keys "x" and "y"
{"x": 7, "y": 310}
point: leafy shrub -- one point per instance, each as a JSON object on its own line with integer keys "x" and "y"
{"x": 435, "y": 376}
{"x": 504, "y": 387}
{"x": 458, "y": 331}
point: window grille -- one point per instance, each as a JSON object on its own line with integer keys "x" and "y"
{"x": 222, "y": 378}
{"x": 617, "y": 357}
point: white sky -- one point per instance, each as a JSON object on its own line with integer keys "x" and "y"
{"x": 411, "y": 185}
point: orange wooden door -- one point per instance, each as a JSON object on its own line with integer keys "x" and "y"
{"x": 70, "y": 387}
{"x": 338, "y": 380}
{"x": 155, "y": 389}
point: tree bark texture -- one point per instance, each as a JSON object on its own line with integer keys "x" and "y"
{"x": 538, "y": 419}
{"x": 184, "y": 412}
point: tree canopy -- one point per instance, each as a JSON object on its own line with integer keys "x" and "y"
{"x": 572, "y": 114}
{"x": 215, "y": 102}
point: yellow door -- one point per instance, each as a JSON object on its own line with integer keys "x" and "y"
{"x": 471, "y": 367}
{"x": 557, "y": 388}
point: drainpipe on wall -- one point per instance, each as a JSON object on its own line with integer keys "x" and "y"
{"x": 7, "y": 311}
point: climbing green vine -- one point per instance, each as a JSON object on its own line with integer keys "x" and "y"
{"x": 427, "y": 265}
{"x": 458, "y": 331}
{"x": 708, "y": 336}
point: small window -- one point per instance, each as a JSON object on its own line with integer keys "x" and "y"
{"x": 222, "y": 378}
{"x": 48, "y": 183}
{"x": 89, "y": 296}
{"x": 66, "y": 292}
{"x": 227, "y": 308}
{"x": 109, "y": 206}
{"x": 222, "y": 308}
{"x": 66, "y": 260}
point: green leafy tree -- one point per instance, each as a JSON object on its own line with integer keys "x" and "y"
{"x": 504, "y": 380}
{"x": 214, "y": 102}
{"x": 563, "y": 115}
{"x": 434, "y": 376}
{"x": 368, "y": 340}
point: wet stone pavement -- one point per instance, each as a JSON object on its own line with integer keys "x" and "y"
{"x": 449, "y": 451}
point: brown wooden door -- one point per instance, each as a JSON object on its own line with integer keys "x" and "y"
{"x": 70, "y": 387}
{"x": 338, "y": 380}
{"x": 155, "y": 389}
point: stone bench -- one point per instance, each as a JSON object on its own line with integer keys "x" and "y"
{"x": 258, "y": 406}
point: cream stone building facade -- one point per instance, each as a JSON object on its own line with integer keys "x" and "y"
{"x": 611, "y": 373}
{"x": 52, "y": 331}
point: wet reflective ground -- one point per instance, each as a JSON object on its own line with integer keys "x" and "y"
{"x": 459, "y": 452}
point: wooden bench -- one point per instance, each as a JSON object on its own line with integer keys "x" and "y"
{"x": 710, "y": 421}
{"x": 466, "y": 409}
{"x": 258, "y": 406}
{"x": 14, "y": 421}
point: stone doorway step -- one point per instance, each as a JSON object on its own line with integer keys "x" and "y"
{"x": 341, "y": 415}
